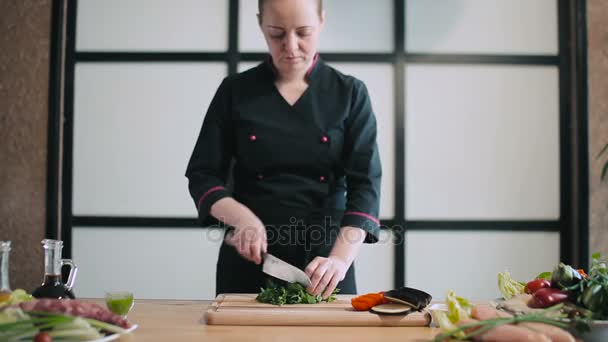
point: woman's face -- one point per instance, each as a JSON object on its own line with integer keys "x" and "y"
{"x": 291, "y": 29}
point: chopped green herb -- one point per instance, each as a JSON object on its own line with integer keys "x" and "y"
{"x": 292, "y": 293}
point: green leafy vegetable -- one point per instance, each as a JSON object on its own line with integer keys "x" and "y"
{"x": 293, "y": 293}
{"x": 16, "y": 297}
{"x": 544, "y": 275}
{"x": 509, "y": 287}
{"x": 593, "y": 291}
{"x": 565, "y": 276}
{"x": 11, "y": 315}
{"x": 589, "y": 292}
{"x": 459, "y": 309}
{"x": 16, "y": 325}
{"x": 444, "y": 322}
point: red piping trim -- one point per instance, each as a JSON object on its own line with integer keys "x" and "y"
{"x": 314, "y": 62}
{"x": 216, "y": 188}
{"x": 363, "y": 215}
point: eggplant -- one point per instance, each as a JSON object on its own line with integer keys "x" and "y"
{"x": 565, "y": 276}
{"x": 415, "y": 298}
{"x": 392, "y": 309}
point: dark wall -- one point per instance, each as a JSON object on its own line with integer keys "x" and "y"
{"x": 597, "y": 17}
{"x": 24, "y": 71}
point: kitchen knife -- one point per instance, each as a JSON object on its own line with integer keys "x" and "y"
{"x": 284, "y": 271}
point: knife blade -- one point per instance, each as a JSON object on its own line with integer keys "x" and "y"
{"x": 284, "y": 271}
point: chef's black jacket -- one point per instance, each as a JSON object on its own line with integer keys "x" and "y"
{"x": 305, "y": 169}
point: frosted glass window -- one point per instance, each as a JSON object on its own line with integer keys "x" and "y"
{"x": 135, "y": 126}
{"x": 171, "y": 263}
{"x": 482, "y": 26}
{"x": 375, "y": 265}
{"x": 343, "y": 30}
{"x": 152, "y": 25}
{"x": 379, "y": 79}
{"x": 175, "y": 263}
{"x": 243, "y": 66}
{"x": 469, "y": 262}
{"x": 482, "y": 142}
{"x": 250, "y": 35}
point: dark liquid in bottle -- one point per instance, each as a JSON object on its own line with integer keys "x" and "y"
{"x": 52, "y": 287}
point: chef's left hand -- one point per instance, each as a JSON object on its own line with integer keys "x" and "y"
{"x": 325, "y": 274}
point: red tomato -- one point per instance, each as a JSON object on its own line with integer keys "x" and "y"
{"x": 547, "y": 297}
{"x": 536, "y": 285}
{"x": 43, "y": 337}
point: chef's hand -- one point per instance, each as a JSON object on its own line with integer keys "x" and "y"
{"x": 325, "y": 274}
{"x": 249, "y": 234}
{"x": 249, "y": 240}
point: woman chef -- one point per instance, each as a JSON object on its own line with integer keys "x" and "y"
{"x": 307, "y": 170}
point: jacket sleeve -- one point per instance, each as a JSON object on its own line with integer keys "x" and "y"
{"x": 209, "y": 164}
{"x": 362, "y": 166}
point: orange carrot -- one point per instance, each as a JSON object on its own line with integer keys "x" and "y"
{"x": 367, "y": 301}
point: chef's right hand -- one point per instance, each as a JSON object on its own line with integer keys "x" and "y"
{"x": 250, "y": 240}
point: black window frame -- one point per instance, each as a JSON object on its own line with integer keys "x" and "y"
{"x": 571, "y": 61}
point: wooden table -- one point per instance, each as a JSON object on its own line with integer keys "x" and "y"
{"x": 174, "y": 320}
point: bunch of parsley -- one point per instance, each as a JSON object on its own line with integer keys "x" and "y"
{"x": 292, "y": 293}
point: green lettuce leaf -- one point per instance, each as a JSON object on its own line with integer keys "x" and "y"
{"x": 509, "y": 287}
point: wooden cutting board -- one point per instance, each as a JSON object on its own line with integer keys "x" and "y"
{"x": 243, "y": 309}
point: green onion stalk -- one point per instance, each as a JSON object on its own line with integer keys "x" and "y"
{"x": 550, "y": 316}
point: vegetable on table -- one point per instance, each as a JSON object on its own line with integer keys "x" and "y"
{"x": 585, "y": 293}
{"x": 415, "y": 298}
{"x": 293, "y": 293}
{"x": 565, "y": 276}
{"x": 595, "y": 298}
{"x": 462, "y": 321}
{"x": 547, "y": 297}
{"x": 43, "y": 337}
{"x": 544, "y": 275}
{"x": 593, "y": 290}
{"x": 29, "y": 325}
{"x": 368, "y": 301}
{"x": 15, "y": 297}
{"x": 510, "y": 326}
{"x": 509, "y": 287}
{"x": 459, "y": 309}
{"x": 392, "y": 309}
{"x": 537, "y": 284}
{"x": 589, "y": 291}
{"x": 408, "y": 297}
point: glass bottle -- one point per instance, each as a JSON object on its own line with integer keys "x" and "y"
{"x": 5, "y": 287}
{"x": 52, "y": 285}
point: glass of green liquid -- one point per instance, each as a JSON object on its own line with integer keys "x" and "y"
{"x": 120, "y": 302}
